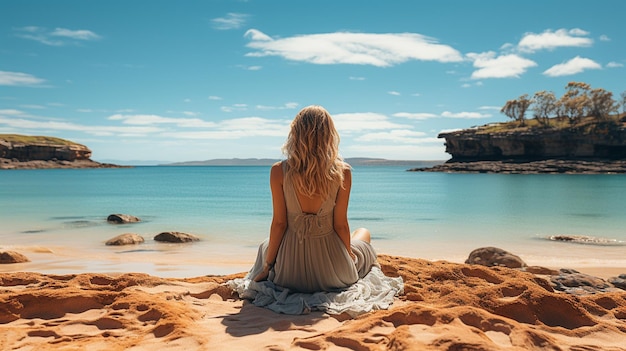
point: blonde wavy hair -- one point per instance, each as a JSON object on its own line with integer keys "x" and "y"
{"x": 312, "y": 149}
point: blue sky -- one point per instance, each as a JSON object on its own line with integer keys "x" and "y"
{"x": 197, "y": 80}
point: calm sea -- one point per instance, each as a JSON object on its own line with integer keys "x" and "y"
{"x": 58, "y": 217}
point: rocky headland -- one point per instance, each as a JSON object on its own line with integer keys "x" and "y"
{"x": 35, "y": 152}
{"x": 590, "y": 146}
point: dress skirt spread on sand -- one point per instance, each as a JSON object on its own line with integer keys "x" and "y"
{"x": 313, "y": 270}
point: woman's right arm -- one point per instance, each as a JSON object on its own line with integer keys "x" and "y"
{"x": 279, "y": 219}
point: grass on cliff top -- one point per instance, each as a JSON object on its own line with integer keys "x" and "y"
{"x": 29, "y": 139}
{"x": 555, "y": 123}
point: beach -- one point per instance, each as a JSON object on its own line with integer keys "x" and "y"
{"x": 76, "y": 293}
{"x": 444, "y": 306}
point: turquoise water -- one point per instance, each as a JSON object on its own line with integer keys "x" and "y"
{"x": 58, "y": 217}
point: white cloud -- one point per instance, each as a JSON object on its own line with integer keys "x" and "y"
{"x": 356, "y": 78}
{"x": 237, "y": 128}
{"x": 380, "y": 50}
{"x": 19, "y": 78}
{"x": 403, "y": 136}
{"x": 504, "y": 66}
{"x": 155, "y": 120}
{"x": 549, "y": 40}
{"x": 395, "y": 93}
{"x": 81, "y": 34}
{"x": 465, "y": 115}
{"x": 286, "y": 106}
{"x": 230, "y": 21}
{"x": 418, "y": 116}
{"x": 356, "y": 122}
{"x": 614, "y": 65}
{"x": 576, "y": 65}
{"x": 494, "y": 108}
{"x": 604, "y": 38}
{"x": 22, "y": 123}
{"x": 213, "y": 97}
{"x": 235, "y": 107}
{"x": 56, "y": 37}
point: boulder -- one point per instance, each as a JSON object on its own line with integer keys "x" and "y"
{"x": 175, "y": 237}
{"x": 12, "y": 257}
{"x": 619, "y": 281}
{"x": 125, "y": 239}
{"x": 122, "y": 218}
{"x": 493, "y": 256}
{"x": 573, "y": 282}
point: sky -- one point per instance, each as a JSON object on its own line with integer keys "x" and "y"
{"x": 171, "y": 81}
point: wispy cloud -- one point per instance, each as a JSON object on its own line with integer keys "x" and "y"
{"x": 395, "y": 93}
{"x": 214, "y": 97}
{"x": 56, "y": 37}
{"x": 417, "y": 116}
{"x": 504, "y": 66}
{"x": 614, "y": 64}
{"x": 403, "y": 136}
{"x": 286, "y": 106}
{"x": 156, "y": 120}
{"x": 357, "y": 122}
{"x": 576, "y": 65}
{"x": 464, "y": 115}
{"x": 549, "y": 40}
{"x": 380, "y": 50}
{"x": 230, "y": 21}
{"x": 19, "y": 78}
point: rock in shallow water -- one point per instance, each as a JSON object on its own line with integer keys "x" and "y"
{"x": 126, "y": 239}
{"x": 175, "y": 237}
{"x": 12, "y": 257}
{"x": 119, "y": 218}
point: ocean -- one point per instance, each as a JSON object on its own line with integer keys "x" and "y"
{"x": 57, "y": 217}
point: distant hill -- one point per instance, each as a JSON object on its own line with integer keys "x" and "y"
{"x": 355, "y": 161}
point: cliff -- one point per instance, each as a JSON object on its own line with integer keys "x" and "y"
{"x": 596, "y": 141}
{"x": 589, "y": 146}
{"x": 22, "y": 151}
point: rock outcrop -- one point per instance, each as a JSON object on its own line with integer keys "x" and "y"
{"x": 33, "y": 152}
{"x": 601, "y": 142}
{"x": 23, "y": 149}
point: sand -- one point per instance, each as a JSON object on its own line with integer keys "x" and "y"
{"x": 445, "y": 306}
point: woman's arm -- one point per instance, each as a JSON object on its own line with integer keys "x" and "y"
{"x": 340, "y": 214}
{"x": 279, "y": 219}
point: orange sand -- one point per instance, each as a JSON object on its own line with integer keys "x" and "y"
{"x": 446, "y": 306}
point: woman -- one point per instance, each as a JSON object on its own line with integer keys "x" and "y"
{"x": 310, "y": 247}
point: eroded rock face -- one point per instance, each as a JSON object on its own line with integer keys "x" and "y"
{"x": 470, "y": 145}
{"x": 493, "y": 256}
{"x": 33, "y": 151}
{"x": 125, "y": 239}
{"x": 175, "y": 237}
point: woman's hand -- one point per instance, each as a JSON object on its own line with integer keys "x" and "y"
{"x": 264, "y": 274}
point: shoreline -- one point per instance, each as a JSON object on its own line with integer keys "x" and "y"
{"x": 523, "y": 166}
{"x": 180, "y": 261}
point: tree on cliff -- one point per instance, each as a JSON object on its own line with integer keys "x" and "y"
{"x": 544, "y": 105}
{"x": 516, "y": 108}
{"x": 575, "y": 102}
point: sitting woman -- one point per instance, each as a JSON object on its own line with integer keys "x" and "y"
{"x": 311, "y": 253}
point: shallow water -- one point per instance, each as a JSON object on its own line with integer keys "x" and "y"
{"x": 58, "y": 217}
